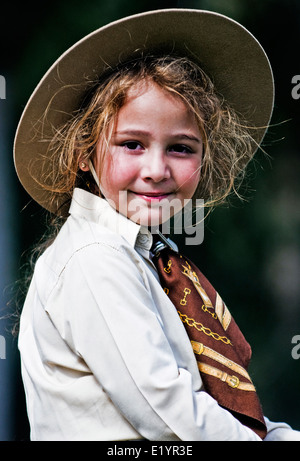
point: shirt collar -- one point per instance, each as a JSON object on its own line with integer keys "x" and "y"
{"x": 98, "y": 210}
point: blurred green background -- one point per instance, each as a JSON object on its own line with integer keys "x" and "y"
{"x": 251, "y": 249}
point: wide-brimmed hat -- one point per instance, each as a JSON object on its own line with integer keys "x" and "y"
{"x": 225, "y": 50}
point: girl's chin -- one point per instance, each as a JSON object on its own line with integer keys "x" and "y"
{"x": 148, "y": 219}
{"x": 150, "y": 214}
{"x": 154, "y": 213}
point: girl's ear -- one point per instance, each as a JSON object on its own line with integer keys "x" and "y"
{"x": 83, "y": 165}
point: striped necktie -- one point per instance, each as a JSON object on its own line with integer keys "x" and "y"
{"x": 221, "y": 351}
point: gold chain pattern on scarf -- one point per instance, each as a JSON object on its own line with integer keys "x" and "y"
{"x": 200, "y": 327}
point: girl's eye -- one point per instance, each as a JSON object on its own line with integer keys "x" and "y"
{"x": 132, "y": 145}
{"x": 181, "y": 149}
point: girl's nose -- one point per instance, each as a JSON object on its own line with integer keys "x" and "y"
{"x": 155, "y": 166}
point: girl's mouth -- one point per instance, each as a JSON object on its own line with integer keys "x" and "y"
{"x": 152, "y": 196}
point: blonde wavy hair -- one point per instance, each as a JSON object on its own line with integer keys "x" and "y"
{"x": 228, "y": 144}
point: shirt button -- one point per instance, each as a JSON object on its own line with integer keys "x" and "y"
{"x": 143, "y": 238}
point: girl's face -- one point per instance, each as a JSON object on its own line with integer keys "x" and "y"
{"x": 153, "y": 160}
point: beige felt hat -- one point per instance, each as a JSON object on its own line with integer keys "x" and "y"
{"x": 226, "y": 51}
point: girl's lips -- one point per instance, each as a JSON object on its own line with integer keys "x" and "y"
{"x": 150, "y": 196}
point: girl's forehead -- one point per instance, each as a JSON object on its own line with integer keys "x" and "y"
{"x": 139, "y": 87}
{"x": 157, "y": 112}
{"x": 147, "y": 87}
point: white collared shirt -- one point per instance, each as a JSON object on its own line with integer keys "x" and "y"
{"x": 104, "y": 354}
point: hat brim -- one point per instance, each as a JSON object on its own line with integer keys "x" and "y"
{"x": 225, "y": 50}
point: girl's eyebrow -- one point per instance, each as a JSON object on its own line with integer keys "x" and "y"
{"x": 178, "y": 136}
{"x": 132, "y": 133}
{"x": 190, "y": 137}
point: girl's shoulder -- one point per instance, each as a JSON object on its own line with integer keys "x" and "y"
{"x": 83, "y": 238}
{"x": 82, "y": 247}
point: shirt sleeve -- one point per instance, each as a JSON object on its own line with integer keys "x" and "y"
{"x": 111, "y": 321}
{"x": 280, "y": 432}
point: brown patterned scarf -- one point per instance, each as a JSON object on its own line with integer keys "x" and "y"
{"x": 221, "y": 351}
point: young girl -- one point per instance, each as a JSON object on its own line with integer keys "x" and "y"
{"x": 126, "y": 128}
